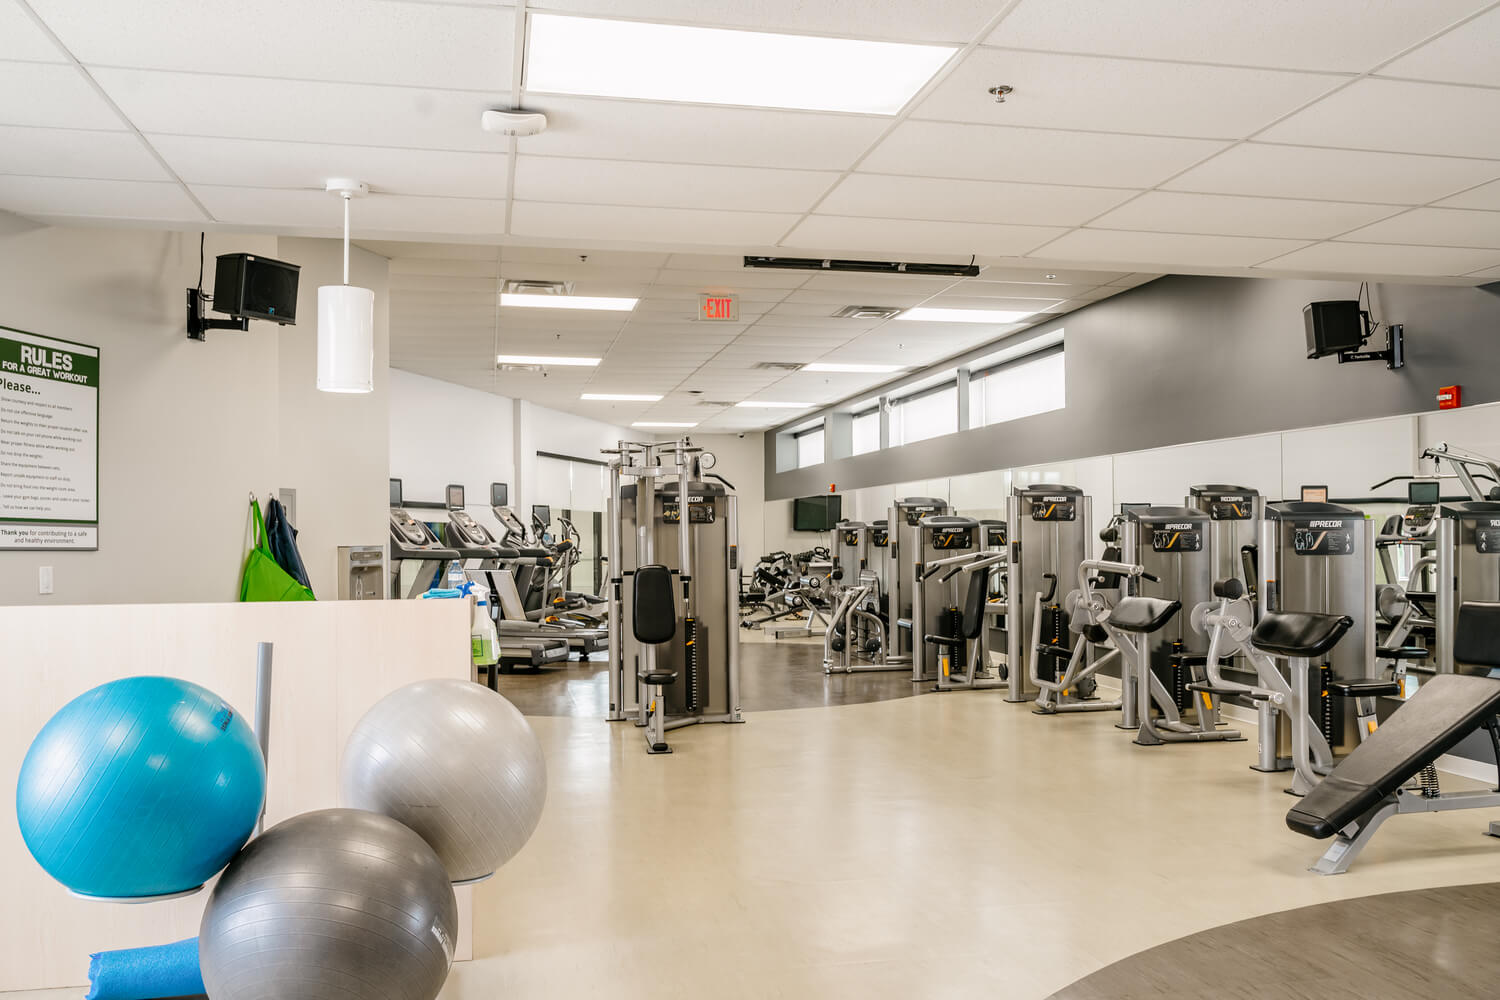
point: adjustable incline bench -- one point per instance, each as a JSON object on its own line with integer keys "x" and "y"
{"x": 1368, "y": 787}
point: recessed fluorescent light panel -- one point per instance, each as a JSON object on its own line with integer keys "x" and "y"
{"x": 833, "y": 367}
{"x": 566, "y": 302}
{"x": 542, "y": 359}
{"x": 760, "y": 404}
{"x": 595, "y": 57}
{"x": 621, "y": 397}
{"x": 662, "y": 423}
{"x": 925, "y": 314}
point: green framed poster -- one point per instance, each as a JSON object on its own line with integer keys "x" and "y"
{"x": 49, "y": 442}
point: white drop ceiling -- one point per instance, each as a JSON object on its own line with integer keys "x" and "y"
{"x": 1351, "y": 138}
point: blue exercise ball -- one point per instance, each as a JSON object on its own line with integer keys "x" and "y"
{"x": 140, "y": 787}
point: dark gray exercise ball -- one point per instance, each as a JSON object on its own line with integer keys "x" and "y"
{"x": 338, "y": 904}
{"x": 457, "y": 763}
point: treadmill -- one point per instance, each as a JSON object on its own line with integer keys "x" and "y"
{"x": 413, "y": 541}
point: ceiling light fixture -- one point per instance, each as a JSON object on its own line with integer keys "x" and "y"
{"x": 850, "y": 369}
{"x": 567, "y": 302}
{"x": 541, "y": 359}
{"x": 621, "y": 397}
{"x": 863, "y": 266}
{"x": 928, "y": 314}
{"x": 760, "y": 404}
{"x": 595, "y": 57}
{"x": 346, "y": 318}
{"x": 663, "y": 423}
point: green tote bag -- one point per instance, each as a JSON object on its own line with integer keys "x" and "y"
{"x": 263, "y": 579}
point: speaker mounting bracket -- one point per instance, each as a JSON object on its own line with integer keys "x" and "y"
{"x": 198, "y": 324}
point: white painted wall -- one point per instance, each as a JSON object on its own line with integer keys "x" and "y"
{"x": 741, "y": 460}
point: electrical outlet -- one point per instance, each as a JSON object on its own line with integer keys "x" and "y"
{"x": 44, "y": 580}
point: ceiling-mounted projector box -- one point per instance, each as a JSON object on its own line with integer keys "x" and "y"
{"x": 251, "y": 287}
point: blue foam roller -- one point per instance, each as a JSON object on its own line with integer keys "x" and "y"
{"x": 161, "y": 970}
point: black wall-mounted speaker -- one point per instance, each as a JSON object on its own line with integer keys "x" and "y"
{"x": 251, "y": 287}
{"x": 1333, "y": 327}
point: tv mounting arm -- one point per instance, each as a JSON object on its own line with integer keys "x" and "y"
{"x": 198, "y": 325}
{"x": 1394, "y": 354}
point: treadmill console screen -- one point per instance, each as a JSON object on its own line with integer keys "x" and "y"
{"x": 499, "y": 494}
{"x": 1423, "y": 492}
{"x": 1054, "y": 509}
{"x": 455, "y": 498}
{"x": 952, "y": 538}
{"x": 396, "y": 499}
{"x": 1176, "y": 538}
{"x": 1231, "y": 509}
{"x": 1314, "y": 494}
{"x": 1487, "y": 539}
{"x": 1313, "y": 540}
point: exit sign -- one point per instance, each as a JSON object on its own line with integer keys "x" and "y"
{"x": 719, "y": 307}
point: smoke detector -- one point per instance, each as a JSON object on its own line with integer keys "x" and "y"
{"x": 867, "y": 312}
{"x": 514, "y": 122}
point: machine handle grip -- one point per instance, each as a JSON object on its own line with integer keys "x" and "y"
{"x": 1051, "y": 591}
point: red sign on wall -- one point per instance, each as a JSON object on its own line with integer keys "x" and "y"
{"x": 1450, "y": 397}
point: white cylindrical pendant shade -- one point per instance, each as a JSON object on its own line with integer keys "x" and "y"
{"x": 346, "y": 339}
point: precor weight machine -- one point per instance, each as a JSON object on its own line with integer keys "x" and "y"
{"x": 948, "y": 604}
{"x": 900, "y": 572}
{"x": 673, "y": 654}
{"x": 855, "y": 638}
{"x": 1048, "y": 528}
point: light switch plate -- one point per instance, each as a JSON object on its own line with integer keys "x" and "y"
{"x": 44, "y": 580}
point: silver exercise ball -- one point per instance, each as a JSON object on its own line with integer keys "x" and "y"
{"x": 457, "y": 763}
{"x": 337, "y": 904}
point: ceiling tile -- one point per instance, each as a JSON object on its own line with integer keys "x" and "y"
{"x": 334, "y": 113}
{"x": 617, "y": 222}
{"x": 66, "y": 196}
{"x": 1399, "y": 116}
{"x": 1467, "y": 54}
{"x": 1049, "y": 275}
{"x": 897, "y": 236}
{"x": 949, "y": 21}
{"x": 1229, "y": 215}
{"x": 260, "y": 163}
{"x": 20, "y": 38}
{"x": 57, "y": 152}
{"x": 1492, "y": 273}
{"x": 414, "y": 45}
{"x": 685, "y": 133}
{"x": 1443, "y": 227}
{"x": 1119, "y": 95}
{"x": 373, "y": 214}
{"x": 52, "y": 96}
{"x": 595, "y": 258}
{"x": 620, "y": 182}
{"x": 1335, "y": 174}
{"x": 844, "y": 281}
{"x": 431, "y": 251}
{"x": 745, "y": 277}
{"x": 1372, "y": 260}
{"x": 1206, "y": 251}
{"x": 1340, "y": 35}
{"x": 1484, "y": 196}
{"x": 1034, "y": 155}
{"x": 885, "y": 196}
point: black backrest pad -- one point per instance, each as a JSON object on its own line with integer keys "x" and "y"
{"x": 654, "y": 611}
{"x": 1476, "y": 637}
{"x": 973, "y": 621}
{"x": 1299, "y": 633}
{"x": 1444, "y": 710}
{"x": 1142, "y": 614}
{"x": 1230, "y": 588}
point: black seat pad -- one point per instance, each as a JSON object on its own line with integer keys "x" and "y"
{"x": 1143, "y": 614}
{"x": 1446, "y": 709}
{"x": 1402, "y": 653}
{"x": 1299, "y": 633}
{"x": 1476, "y": 634}
{"x": 1364, "y": 687}
{"x": 659, "y": 676}
{"x": 654, "y": 607}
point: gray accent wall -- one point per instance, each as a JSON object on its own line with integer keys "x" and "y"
{"x": 1187, "y": 358}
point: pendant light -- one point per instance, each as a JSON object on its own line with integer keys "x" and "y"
{"x": 346, "y": 318}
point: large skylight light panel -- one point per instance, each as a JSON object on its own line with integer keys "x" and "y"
{"x": 596, "y": 57}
